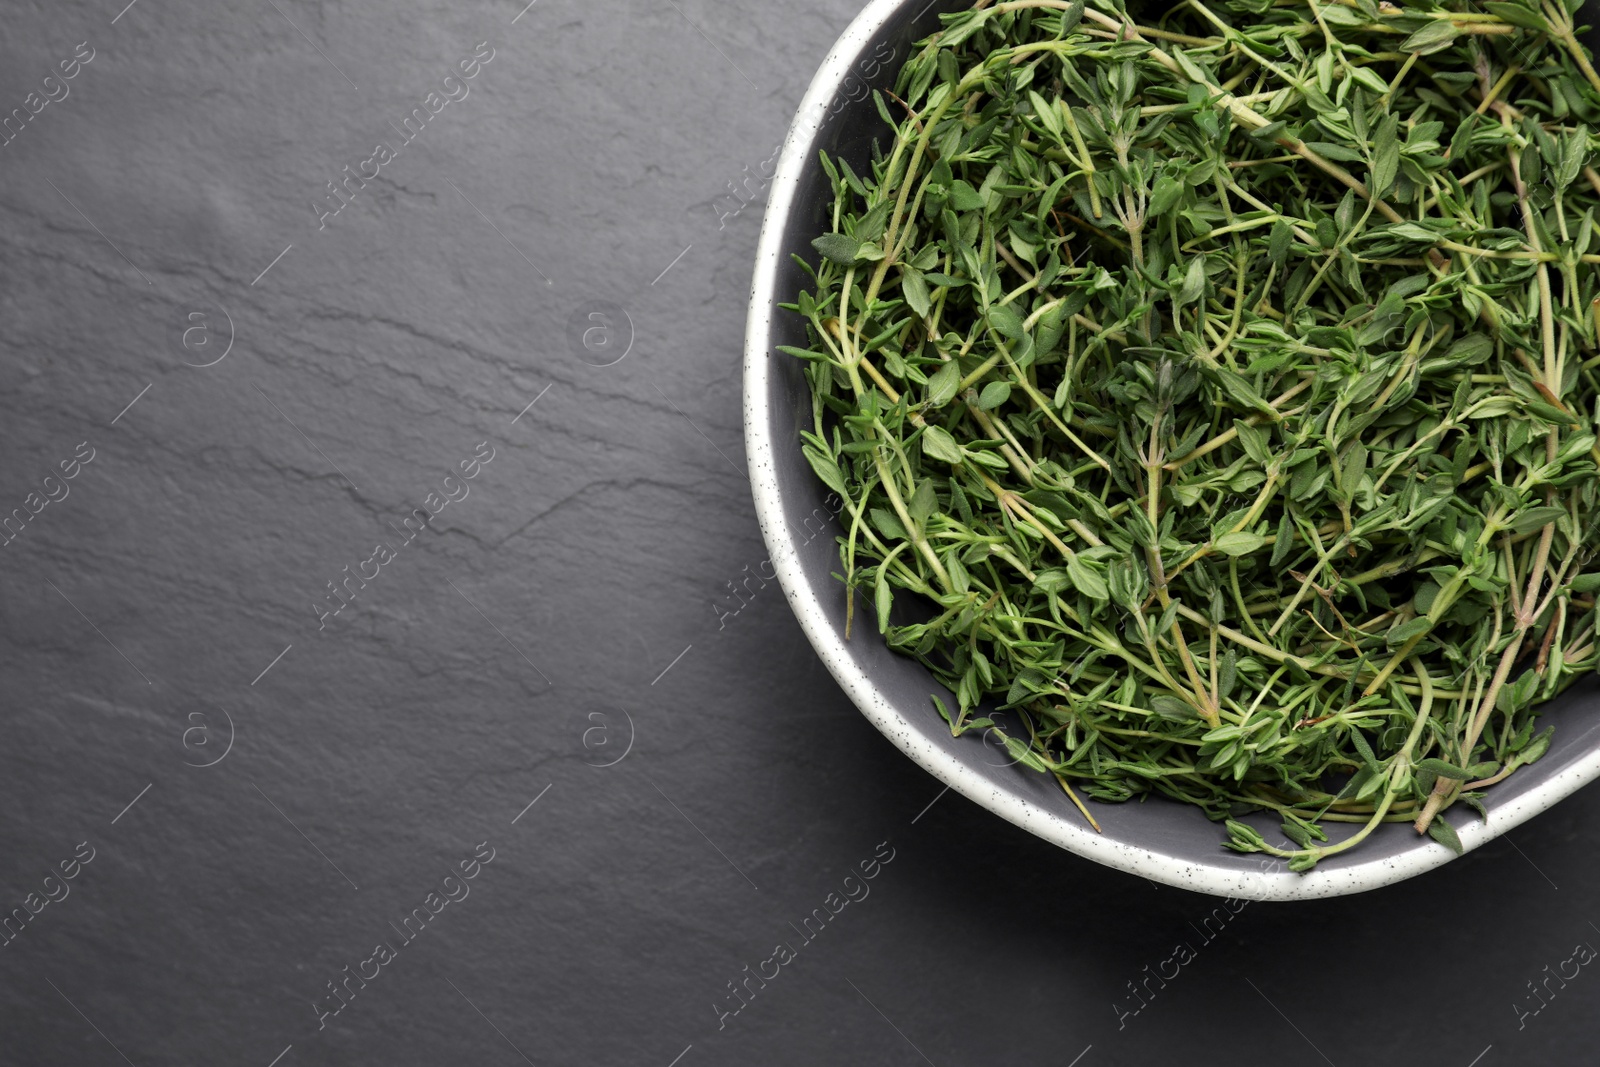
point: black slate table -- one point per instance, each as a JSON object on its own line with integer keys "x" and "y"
{"x": 392, "y": 672}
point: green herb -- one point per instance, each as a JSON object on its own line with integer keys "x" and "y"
{"x": 1220, "y": 394}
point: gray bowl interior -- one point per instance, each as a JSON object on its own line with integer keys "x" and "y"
{"x": 1182, "y": 843}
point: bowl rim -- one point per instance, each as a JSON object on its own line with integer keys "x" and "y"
{"x": 907, "y": 734}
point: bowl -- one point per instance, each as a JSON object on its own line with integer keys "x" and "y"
{"x": 1158, "y": 839}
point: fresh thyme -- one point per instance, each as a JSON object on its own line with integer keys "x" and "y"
{"x": 1219, "y": 393}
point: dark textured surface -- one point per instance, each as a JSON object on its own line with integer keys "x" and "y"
{"x": 594, "y": 549}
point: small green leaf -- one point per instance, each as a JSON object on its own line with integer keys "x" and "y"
{"x": 1536, "y": 748}
{"x": 1086, "y": 579}
{"x": 1257, "y": 444}
{"x": 1386, "y": 153}
{"x": 1165, "y": 194}
{"x": 1437, "y": 35}
{"x": 1229, "y": 674}
{"x": 1533, "y": 518}
{"x": 1515, "y": 696}
{"x": 1046, "y": 113}
{"x": 922, "y": 502}
{"x": 1365, "y": 749}
{"x": 1175, "y": 708}
{"x": 963, "y": 28}
{"x": 1239, "y": 391}
{"x": 1329, "y": 150}
{"x": 870, "y": 226}
{"x": 1239, "y": 543}
{"x": 1278, "y": 243}
{"x": 1444, "y": 769}
{"x": 827, "y": 470}
{"x": 1413, "y": 231}
{"x": 883, "y": 598}
{"x": 994, "y": 394}
{"x": 1006, "y": 322}
{"x": 1586, "y": 583}
{"x": 1518, "y": 15}
{"x": 963, "y": 197}
{"x": 1194, "y": 282}
{"x": 942, "y": 385}
{"x": 1190, "y": 68}
{"x": 1023, "y": 754}
{"x": 887, "y": 524}
{"x": 937, "y": 442}
{"x": 1470, "y": 350}
{"x": 838, "y": 248}
{"x": 1246, "y": 836}
{"x": 1399, "y": 635}
{"x": 915, "y": 290}
{"x": 1369, "y": 79}
{"x": 1445, "y": 834}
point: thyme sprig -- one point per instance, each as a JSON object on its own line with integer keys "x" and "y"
{"x": 1218, "y": 393}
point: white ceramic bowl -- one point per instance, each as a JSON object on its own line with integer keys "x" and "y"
{"x": 1157, "y": 839}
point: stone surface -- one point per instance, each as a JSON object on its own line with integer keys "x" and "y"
{"x": 525, "y": 639}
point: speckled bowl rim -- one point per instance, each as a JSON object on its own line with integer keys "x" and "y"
{"x": 906, "y": 732}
